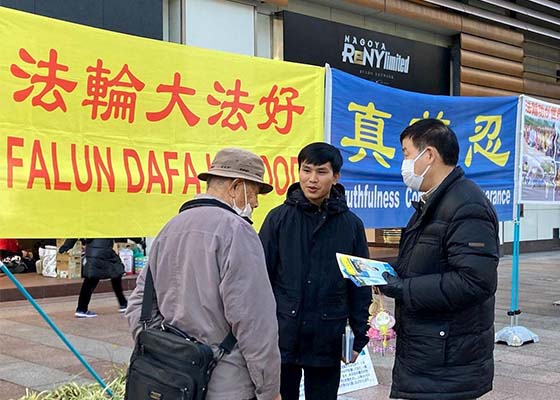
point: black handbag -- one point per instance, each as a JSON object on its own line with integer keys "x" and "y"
{"x": 167, "y": 363}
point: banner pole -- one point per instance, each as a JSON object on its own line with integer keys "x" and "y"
{"x": 514, "y": 309}
{"x": 514, "y": 334}
{"x": 49, "y": 321}
{"x": 328, "y": 104}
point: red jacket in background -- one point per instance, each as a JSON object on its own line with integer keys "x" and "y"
{"x": 9, "y": 245}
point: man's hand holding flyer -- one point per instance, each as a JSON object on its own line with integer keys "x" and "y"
{"x": 363, "y": 271}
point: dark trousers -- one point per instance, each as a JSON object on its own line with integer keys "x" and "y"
{"x": 321, "y": 383}
{"x": 89, "y": 285}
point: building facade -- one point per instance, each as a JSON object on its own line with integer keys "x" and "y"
{"x": 489, "y": 47}
{"x": 460, "y": 48}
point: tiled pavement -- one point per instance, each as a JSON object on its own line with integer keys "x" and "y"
{"x": 32, "y": 356}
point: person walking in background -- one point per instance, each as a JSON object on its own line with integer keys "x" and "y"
{"x": 209, "y": 277}
{"x": 314, "y": 302}
{"x": 447, "y": 275}
{"x": 100, "y": 262}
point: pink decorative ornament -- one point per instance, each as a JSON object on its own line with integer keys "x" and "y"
{"x": 381, "y": 331}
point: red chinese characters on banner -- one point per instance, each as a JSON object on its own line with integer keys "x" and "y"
{"x": 116, "y": 97}
{"x": 120, "y": 103}
{"x": 50, "y": 81}
{"x": 273, "y": 108}
{"x": 545, "y": 111}
{"x": 236, "y": 107}
{"x": 176, "y": 91}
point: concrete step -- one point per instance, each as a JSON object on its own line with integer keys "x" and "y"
{"x": 40, "y": 287}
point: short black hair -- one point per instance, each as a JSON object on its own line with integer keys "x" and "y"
{"x": 319, "y": 153}
{"x": 433, "y": 132}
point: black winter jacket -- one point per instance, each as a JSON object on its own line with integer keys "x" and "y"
{"x": 313, "y": 300}
{"x": 101, "y": 261}
{"x": 448, "y": 258}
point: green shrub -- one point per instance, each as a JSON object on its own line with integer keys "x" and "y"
{"x": 73, "y": 391}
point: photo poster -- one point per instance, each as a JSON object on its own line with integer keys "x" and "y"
{"x": 357, "y": 376}
{"x": 539, "y": 155}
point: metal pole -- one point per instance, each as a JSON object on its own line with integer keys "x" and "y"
{"x": 55, "y": 328}
{"x": 515, "y": 335}
{"x": 515, "y": 263}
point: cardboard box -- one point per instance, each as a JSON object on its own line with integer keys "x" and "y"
{"x": 121, "y": 245}
{"x": 69, "y": 264}
{"x": 69, "y": 267}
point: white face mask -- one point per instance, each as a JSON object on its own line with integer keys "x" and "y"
{"x": 247, "y": 211}
{"x": 410, "y": 179}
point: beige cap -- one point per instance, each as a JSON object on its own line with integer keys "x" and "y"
{"x": 238, "y": 163}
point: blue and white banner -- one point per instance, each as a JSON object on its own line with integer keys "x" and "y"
{"x": 365, "y": 123}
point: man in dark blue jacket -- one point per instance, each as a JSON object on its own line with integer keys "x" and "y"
{"x": 314, "y": 301}
{"x": 447, "y": 268}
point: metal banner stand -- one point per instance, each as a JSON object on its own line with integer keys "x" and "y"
{"x": 55, "y": 329}
{"x": 514, "y": 334}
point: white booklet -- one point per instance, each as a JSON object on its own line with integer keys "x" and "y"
{"x": 363, "y": 271}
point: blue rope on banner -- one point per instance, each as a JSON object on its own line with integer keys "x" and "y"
{"x": 55, "y": 328}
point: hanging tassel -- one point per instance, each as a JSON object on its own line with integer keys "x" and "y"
{"x": 381, "y": 324}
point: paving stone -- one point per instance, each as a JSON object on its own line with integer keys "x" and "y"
{"x": 495, "y": 395}
{"x": 42, "y": 361}
{"x": 551, "y": 365}
{"x": 22, "y": 350}
{"x": 32, "y": 375}
{"x": 105, "y": 369}
{"x": 525, "y": 388}
{"x": 87, "y": 346}
{"x": 530, "y": 374}
{"x": 54, "y": 385}
{"x": 11, "y": 390}
{"x": 4, "y": 359}
{"x": 513, "y": 357}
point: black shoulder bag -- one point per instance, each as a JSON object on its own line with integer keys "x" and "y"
{"x": 166, "y": 362}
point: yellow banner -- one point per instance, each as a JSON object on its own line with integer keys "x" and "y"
{"x": 103, "y": 134}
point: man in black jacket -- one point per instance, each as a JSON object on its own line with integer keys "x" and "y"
{"x": 447, "y": 275}
{"x": 314, "y": 301}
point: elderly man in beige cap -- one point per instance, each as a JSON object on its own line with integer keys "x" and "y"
{"x": 236, "y": 177}
{"x": 210, "y": 279}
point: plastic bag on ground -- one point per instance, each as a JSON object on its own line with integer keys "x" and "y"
{"x": 48, "y": 260}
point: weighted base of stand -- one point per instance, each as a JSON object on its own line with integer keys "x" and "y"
{"x": 515, "y": 336}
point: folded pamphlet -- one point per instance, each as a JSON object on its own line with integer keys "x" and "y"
{"x": 363, "y": 271}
